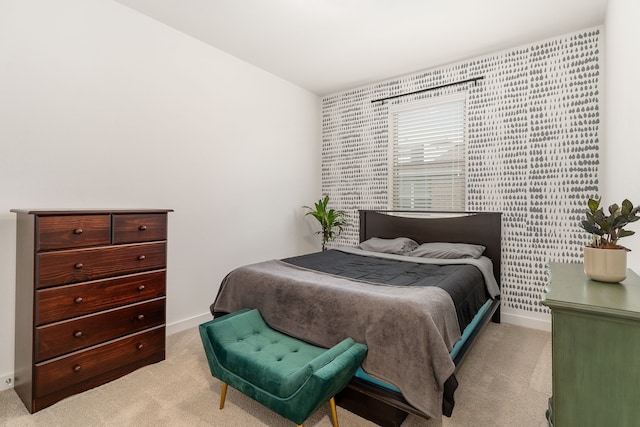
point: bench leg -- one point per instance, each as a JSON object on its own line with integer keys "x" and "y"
{"x": 332, "y": 404}
{"x": 223, "y": 395}
{"x": 334, "y": 413}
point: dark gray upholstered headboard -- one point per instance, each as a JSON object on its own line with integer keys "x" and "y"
{"x": 481, "y": 228}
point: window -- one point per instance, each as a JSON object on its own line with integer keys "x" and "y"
{"x": 428, "y": 155}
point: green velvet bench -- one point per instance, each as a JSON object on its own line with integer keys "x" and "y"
{"x": 289, "y": 376}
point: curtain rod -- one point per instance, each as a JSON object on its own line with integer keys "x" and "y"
{"x": 474, "y": 80}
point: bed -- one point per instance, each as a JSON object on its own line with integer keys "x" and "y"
{"x": 397, "y": 322}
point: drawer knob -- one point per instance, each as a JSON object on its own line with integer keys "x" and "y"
{"x": 78, "y": 300}
{"x": 140, "y": 316}
{"x": 141, "y": 288}
{"x": 76, "y": 368}
{"x": 139, "y": 346}
{"x": 142, "y": 228}
{"x": 142, "y": 257}
{"x": 78, "y": 266}
{"x": 77, "y": 334}
{"x": 78, "y": 231}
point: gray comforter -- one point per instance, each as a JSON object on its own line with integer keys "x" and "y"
{"x": 409, "y": 331}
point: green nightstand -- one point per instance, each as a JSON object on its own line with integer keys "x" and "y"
{"x": 596, "y": 349}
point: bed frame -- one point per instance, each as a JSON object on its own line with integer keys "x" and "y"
{"x": 384, "y": 407}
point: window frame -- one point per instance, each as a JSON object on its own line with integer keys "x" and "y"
{"x": 414, "y": 106}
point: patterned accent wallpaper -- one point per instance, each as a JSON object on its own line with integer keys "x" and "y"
{"x": 533, "y": 129}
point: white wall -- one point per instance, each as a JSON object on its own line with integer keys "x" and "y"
{"x": 102, "y": 107}
{"x": 621, "y": 146}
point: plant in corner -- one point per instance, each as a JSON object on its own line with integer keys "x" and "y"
{"x": 604, "y": 259}
{"x": 329, "y": 220}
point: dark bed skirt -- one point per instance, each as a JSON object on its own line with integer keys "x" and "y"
{"x": 387, "y": 408}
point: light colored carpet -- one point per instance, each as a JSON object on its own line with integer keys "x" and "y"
{"x": 505, "y": 381}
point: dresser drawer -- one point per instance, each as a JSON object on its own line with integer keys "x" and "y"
{"x": 64, "y": 302}
{"x": 63, "y": 372}
{"x": 131, "y": 228}
{"x": 72, "y": 231}
{"x": 72, "y": 266}
{"x": 63, "y": 337}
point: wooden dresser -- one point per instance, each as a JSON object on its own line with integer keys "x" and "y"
{"x": 90, "y": 299}
{"x": 596, "y": 345}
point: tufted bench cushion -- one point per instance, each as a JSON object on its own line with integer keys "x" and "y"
{"x": 260, "y": 355}
{"x": 287, "y": 375}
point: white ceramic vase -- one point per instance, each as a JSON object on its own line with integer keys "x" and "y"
{"x": 605, "y": 265}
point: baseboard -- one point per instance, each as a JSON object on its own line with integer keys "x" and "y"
{"x": 527, "y": 322}
{"x": 191, "y": 322}
{"x": 6, "y": 381}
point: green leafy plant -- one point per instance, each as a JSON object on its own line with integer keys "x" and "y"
{"x": 607, "y": 229}
{"x": 329, "y": 220}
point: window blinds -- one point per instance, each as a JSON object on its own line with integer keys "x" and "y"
{"x": 428, "y": 155}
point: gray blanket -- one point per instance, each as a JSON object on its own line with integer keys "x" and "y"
{"x": 409, "y": 331}
{"x": 483, "y": 264}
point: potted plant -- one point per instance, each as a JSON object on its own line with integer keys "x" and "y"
{"x": 604, "y": 259}
{"x": 331, "y": 221}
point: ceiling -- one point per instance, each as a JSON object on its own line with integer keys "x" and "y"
{"x": 327, "y": 46}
